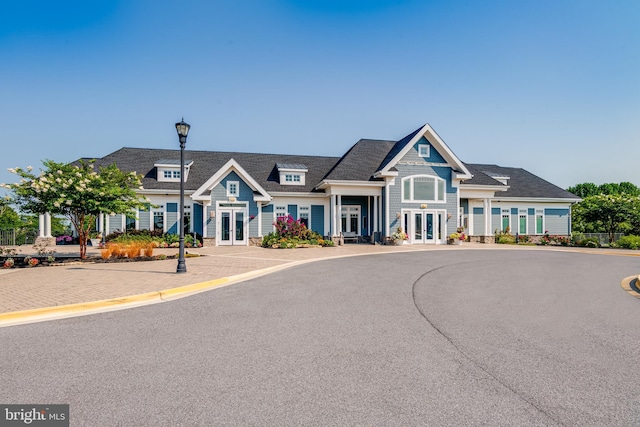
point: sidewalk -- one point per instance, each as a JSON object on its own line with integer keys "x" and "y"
{"x": 40, "y": 287}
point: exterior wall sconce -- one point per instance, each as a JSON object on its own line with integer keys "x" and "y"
{"x": 423, "y": 206}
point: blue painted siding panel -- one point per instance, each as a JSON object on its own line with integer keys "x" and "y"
{"x": 172, "y": 218}
{"x": 267, "y": 219}
{"x": 317, "y": 219}
{"x": 197, "y": 218}
{"x": 557, "y": 221}
{"x": 514, "y": 211}
{"x": 434, "y": 155}
{"x": 293, "y": 211}
{"x": 495, "y": 211}
{"x": 211, "y": 222}
{"x": 531, "y": 211}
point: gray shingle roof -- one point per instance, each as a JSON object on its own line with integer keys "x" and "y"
{"x": 261, "y": 167}
{"x": 521, "y": 183}
{"x": 361, "y": 161}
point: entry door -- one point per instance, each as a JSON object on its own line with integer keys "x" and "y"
{"x": 232, "y": 227}
{"x": 423, "y": 226}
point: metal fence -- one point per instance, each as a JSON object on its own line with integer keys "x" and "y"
{"x": 17, "y": 236}
{"x": 603, "y": 238}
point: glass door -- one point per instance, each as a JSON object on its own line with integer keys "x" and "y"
{"x": 232, "y": 226}
{"x": 425, "y": 226}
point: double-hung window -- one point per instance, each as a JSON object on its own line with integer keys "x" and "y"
{"x": 423, "y": 188}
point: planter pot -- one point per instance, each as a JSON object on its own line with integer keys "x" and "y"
{"x": 457, "y": 242}
{"x": 95, "y": 242}
{"x": 398, "y": 242}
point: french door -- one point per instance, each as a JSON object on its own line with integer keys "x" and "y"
{"x": 424, "y": 226}
{"x": 232, "y": 224}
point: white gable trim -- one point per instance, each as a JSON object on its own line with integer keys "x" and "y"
{"x": 230, "y": 166}
{"x": 435, "y": 140}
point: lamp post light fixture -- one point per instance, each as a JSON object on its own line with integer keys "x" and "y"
{"x": 183, "y": 131}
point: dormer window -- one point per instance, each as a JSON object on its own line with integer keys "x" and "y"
{"x": 169, "y": 170}
{"x": 291, "y": 174}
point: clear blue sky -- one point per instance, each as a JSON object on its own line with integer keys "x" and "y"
{"x": 551, "y": 86}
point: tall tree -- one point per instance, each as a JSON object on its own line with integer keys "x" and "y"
{"x": 585, "y": 189}
{"x": 77, "y": 192}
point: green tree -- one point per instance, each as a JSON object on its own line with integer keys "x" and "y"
{"x": 77, "y": 192}
{"x": 584, "y": 190}
{"x": 9, "y": 218}
{"x": 613, "y": 213}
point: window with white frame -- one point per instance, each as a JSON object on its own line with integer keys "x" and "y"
{"x": 424, "y": 150}
{"x": 539, "y": 221}
{"x": 166, "y": 174}
{"x": 506, "y": 220}
{"x": 350, "y": 219}
{"x": 233, "y": 188}
{"x": 423, "y": 188}
{"x": 304, "y": 215}
{"x": 176, "y": 174}
{"x": 281, "y": 212}
{"x": 522, "y": 222}
{"x": 158, "y": 220}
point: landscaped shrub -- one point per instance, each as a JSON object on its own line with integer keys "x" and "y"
{"x": 589, "y": 242}
{"x": 628, "y": 242}
{"x": 148, "y": 249}
{"x": 291, "y": 234}
{"x": 505, "y": 239}
{"x": 133, "y": 250}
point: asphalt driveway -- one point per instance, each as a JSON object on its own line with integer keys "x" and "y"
{"x": 426, "y": 338}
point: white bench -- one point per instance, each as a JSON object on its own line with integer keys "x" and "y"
{"x": 350, "y": 236}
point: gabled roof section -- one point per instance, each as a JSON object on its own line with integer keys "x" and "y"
{"x": 361, "y": 162}
{"x": 260, "y": 167}
{"x": 405, "y": 144}
{"x": 230, "y": 166}
{"x": 521, "y": 183}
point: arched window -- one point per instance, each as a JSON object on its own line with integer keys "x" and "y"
{"x": 423, "y": 188}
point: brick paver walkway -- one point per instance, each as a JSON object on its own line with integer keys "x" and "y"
{"x": 39, "y": 287}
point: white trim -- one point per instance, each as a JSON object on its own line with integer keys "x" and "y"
{"x": 234, "y": 193}
{"x": 436, "y": 189}
{"x": 230, "y": 166}
{"x": 437, "y": 143}
{"x": 427, "y": 148}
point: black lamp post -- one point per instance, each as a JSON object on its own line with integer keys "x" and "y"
{"x": 183, "y": 130}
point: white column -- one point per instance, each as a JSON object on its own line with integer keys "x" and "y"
{"x": 259, "y": 218}
{"x": 101, "y": 223}
{"x": 41, "y": 225}
{"x": 376, "y": 207}
{"x": 339, "y": 215}
{"x": 332, "y": 216}
{"x": 386, "y": 218}
{"x": 47, "y": 224}
{"x": 487, "y": 216}
{"x": 470, "y": 218}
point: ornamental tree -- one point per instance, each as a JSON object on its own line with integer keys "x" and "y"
{"x": 613, "y": 212}
{"x": 78, "y": 192}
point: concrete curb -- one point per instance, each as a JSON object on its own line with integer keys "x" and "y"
{"x": 631, "y": 285}
{"x": 103, "y": 306}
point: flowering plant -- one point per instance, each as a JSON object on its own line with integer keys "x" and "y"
{"x": 8, "y": 263}
{"x": 399, "y": 235}
{"x": 64, "y": 238}
{"x": 31, "y": 262}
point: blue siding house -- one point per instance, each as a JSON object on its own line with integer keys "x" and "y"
{"x": 416, "y": 183}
